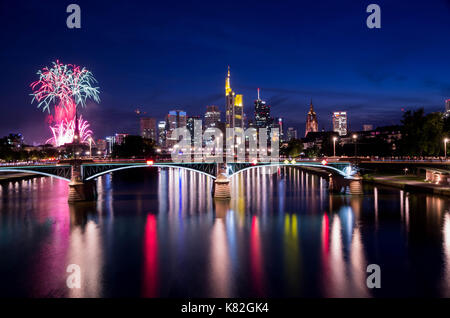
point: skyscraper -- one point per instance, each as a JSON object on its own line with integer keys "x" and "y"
{"x": 120, "y": 138}
{"x": 281, "y": 128}
{"x": 291, "y": 133}
{"x": 162, "y": 133}
{"x": 340, "y": 123}
{"x": 212, "y": 116}
{"x": 190, "y": 125}
{"x": 110, "y": 141}
{"x": 148, "y": 128}
{"x": 174, "y": 119}
{"x": 262, "y": 114}
{"x": 234, "y": 106}
{"x": 311, "y": 121}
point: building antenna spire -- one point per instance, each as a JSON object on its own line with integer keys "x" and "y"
{"x": 258, "y": 93}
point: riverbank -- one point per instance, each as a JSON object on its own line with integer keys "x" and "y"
{"x": 411, "y": 183}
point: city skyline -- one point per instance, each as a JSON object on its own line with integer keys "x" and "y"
{"x": 181, "y": 65}
{"x": 249, "y": 117}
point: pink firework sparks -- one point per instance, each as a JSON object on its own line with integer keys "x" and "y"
{"x": 63, "y": 132}
{"x": 64, "y": 86}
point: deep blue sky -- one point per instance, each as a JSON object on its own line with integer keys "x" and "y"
{"x": 165, "y": 55}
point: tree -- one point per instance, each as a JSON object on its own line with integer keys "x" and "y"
{"x": 134, "y": 146}
{"x": 294, "y": 148}
{"x": 313, "y": 152}
{"x": 421, "y": 134}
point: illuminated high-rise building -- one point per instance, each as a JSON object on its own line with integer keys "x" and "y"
{"x": 281, "y": 128}
{"x": 148, "y": 128}
{"x": 120, "y": 138}
{"x": 311, "y": 121}
{"x": 174, "y": 119}
{"x": 291, "y": 133}
{"x": 262, "y": 114}
{"x": 212, "y": 116}
{"x": 340, "y": 123}
{"x": 234, "y": 106}
{"x": 162, "y": 133}
{"x": 110, "y": 141}
{"x": 190, "y": 123}
{"x": 102, "y": 147}
{"x": 239, "y": 111}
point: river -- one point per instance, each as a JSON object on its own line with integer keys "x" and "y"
{"x": 159, "y": 233}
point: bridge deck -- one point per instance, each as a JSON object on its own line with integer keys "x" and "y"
{"x": 92, "y": 169}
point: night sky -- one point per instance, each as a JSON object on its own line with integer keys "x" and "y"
{"x": 158, "y": 56}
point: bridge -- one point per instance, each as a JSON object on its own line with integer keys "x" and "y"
{"x": 81, "y": 174}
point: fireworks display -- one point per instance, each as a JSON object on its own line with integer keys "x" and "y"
{"x": 65, "y": 87}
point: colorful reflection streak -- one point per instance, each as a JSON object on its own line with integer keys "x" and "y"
{"x": 256, "y": 259}
{"x": 150, "y": 279}
{"x": 220, "y": 267}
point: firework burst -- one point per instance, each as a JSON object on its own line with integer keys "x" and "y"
{"x": 65, "y": 87}
{"x": 64, "y": 131}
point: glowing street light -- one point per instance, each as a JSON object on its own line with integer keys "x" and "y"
{"x": 355, "y": 136}
{"x": 445, "y": 147}
{"x": 334, "y": 146}
{"x": 90, "y": 146}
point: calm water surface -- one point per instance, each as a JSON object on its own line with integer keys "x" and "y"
{"x": 160, "y": 234}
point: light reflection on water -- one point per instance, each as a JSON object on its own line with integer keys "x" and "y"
{"x": 160, "y": 233}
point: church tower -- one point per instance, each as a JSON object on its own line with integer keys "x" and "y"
{"x": 311, "y": 121}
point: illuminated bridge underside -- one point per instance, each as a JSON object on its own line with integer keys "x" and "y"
{"x": 63, "y": 172}
{"x": 93, "y": 170}
{"x": 342, "y": 169}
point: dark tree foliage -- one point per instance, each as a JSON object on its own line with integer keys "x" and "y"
{"x": 294, "y": 148}
{"x": 422, "y": 135}
{"x": 313, "y": 152}
{"x": 9, "y": 153}
{"x": 134, "y": 147}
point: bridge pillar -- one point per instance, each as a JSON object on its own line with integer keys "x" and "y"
{"x": 222, "y": 188}
{"x": 352, "y": 186}
{"x": 355, "y": 186}
{"x": 79, "y": 190}
{"x": 334, "y": 184}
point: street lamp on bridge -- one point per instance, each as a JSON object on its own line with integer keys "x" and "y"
{"x": 445, "y": 148}
{"x": 334, "y": 146}
{"x": 90, "y": 147}
{"x": 355, "y": 136}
